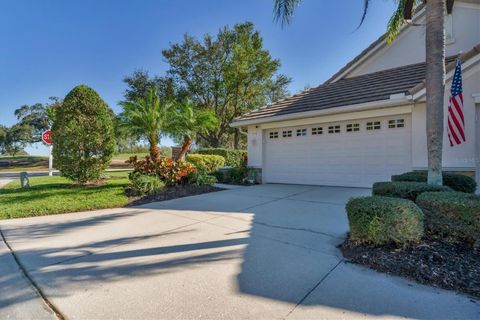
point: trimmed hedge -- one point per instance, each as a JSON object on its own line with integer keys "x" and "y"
{"x": 452, "y": 214}
{"x": 233, "y": 158}
{"x": 404, "y": 189}
{"x": 206, "y": 163}
{"x": 381, "y": 220}
{"x": 456, "y": 181}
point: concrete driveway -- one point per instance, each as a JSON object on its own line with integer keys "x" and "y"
{"x": 265, "y": 251}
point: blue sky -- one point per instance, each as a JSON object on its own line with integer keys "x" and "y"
{"x": 50, "y": 46}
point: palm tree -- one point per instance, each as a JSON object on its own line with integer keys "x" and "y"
{"x": 146, "y": 117}
{"x": 435, "y": 64}
{"x": 186, "y": 122}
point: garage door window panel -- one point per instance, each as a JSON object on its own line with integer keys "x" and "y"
{"x": 287, "y": 133}
{"x": 353, "y": 127}
{"x": 301, "y": 132}
{"x": 317, "y": 131}
{"x": 273, "y": 135}
{"x": 334, "y": 129}
{"x": 374, "y": 125}
{"x": 396, "y": 123}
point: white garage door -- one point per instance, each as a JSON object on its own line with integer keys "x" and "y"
{"x": 349, "y": 153}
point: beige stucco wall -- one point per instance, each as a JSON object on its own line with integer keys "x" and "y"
{"x": 459, "y": 157}
{"x": 409, "y": 48}
{"x": 255, "y": 146}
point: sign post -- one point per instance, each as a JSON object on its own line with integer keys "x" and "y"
{"x": 47, "y": 138}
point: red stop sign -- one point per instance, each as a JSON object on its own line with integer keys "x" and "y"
{"x": 47, "y": 136}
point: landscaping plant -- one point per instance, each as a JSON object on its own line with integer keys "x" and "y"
{"x": 206, "y": 163}
{"x": 169, "y": 171}
{"x": 186, "y": 122}
{"x": 201, "y": 178}
{"x": 83, "y": 135}
{"x": 456, "y": 181}
{"x": 455, "y": 215}
{"x": 381, "y": 220}
{"x": 233, "y": 158}
{"x": 404, "y": 189}
{"x": 142, "y": 184}
{"x": 146, "y": 117}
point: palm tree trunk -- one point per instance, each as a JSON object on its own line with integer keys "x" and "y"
{"x": 187, "y": 143}
{"x": 435, "y": 86}
{"x": 154, "y": 149}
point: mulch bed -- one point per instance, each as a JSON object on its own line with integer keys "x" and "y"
{"x": 173, "y": 193}
{"x": 435, "y": 262}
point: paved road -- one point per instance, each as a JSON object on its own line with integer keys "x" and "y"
{"x": 257, "y": 252}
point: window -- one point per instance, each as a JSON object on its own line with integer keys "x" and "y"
{"x": 317, "y": 131}
{"x": 301, "y": 132}
{"x": 351, "y": 127}
{"x": 334, "y": 129}
{"x": 397, "y": 123}
{"x": 274, "y": 135}
{"x": 287, "y": 133}
{"x": 373, "y": 125}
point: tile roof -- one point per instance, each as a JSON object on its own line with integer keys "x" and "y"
{"x": 348, "y": 91}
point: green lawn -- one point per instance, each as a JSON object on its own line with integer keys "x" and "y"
{"x": 126, "y": 156}
{"x": 52, "y": 195}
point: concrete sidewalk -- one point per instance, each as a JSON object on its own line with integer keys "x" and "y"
{"x": 257, "y": 252}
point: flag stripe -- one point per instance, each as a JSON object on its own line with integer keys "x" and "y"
{"x": 453, "y": 134}
{"x": 458, "y": 126}
{"x": 456, "y": 119}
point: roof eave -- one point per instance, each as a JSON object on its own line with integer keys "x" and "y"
{"x": 467, "y": 59}
{"x": 394, "y": 101}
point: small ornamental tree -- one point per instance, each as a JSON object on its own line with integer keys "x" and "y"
{"x": 83, "y": 135}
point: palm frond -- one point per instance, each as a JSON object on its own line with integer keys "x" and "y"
{"x": 405, "y": 8}
{"x": 283, "y": 10}
{"x": 364, "y": 14}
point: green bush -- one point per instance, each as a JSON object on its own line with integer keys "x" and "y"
{"x": 232, "y": 175}
{"x": 233, "y": 158}
{"x": 83, "y": 138}
{"x": 142, "y": 184}
{"x": 205, "y": 162}
{"x": 201, "y": 178}
{"x": 452, "y": 214}
{"x": 404, "y": 189}
{"x": 381, "y": 220}
{"x": 456, "y": 181}
{"x": 169, "y": 171}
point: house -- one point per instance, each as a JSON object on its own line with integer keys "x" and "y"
{"x": 368, "y": 120}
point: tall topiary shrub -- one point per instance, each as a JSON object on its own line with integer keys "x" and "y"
{"x": 83, "y": 138}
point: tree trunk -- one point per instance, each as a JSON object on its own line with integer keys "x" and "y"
{"x": 187, "y": 143}
{"x": 236, "y": 139}
{"x": 154, "y": 149}
{"x": 435, "y": 86}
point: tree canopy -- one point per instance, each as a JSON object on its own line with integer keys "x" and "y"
{"x": 230, "y": 74}
{"x": 83, "y": 141}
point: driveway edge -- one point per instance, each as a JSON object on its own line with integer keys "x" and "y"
{"x": 32, "y": 283}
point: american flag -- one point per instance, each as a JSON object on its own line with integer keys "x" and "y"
{"x": 456, "y": 121}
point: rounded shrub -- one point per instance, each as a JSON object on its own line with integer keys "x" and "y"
{"x": 83, "y": 138}
{"x": 405, "y": 189}
{"x": 452, "y": 214}
{"x": 381, "y": 220}
{"x": 455, "y": 181}
{"x": 206, "y": 163}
